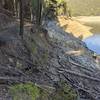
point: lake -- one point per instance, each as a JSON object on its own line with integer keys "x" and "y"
{"x": 92, "y": 42}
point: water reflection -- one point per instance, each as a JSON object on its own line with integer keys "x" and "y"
{"x": 93, "y": 43}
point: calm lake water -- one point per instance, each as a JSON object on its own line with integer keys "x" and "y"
{"x": 93, "y": 43}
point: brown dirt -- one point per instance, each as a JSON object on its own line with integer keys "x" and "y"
{"x": 74, "y": 27}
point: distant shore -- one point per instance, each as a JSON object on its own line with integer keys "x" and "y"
{"x": 91, "y": 21}
{"x": 88, "y": 18}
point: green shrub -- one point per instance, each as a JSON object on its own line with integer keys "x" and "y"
{"x": 54, "y": 8}
{"x": 24, "y": 92}
{"x": 66, "y": 92}
{"x": 31, "y": 92}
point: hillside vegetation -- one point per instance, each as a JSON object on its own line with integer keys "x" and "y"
{"x": 84, "y": 7}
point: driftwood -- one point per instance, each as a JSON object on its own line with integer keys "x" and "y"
{"x": 20, "y": 58}
{"x": 15, "y": 79}
{"x": 80, "y": 88}
{"x": 6, "y": 12}
{"x": 79, "y": 75}
{"x": 16, "y": 75}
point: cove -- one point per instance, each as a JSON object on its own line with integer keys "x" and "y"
{"x": 93, "y": 43}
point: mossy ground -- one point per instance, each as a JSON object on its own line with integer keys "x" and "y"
{"x": 65, "y": 92}
{"x": 24, "y": 92}
{"x": 33, "y": 92}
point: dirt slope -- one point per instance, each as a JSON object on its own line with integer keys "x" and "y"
{"x": 74, "y": 27}
{"x": 47, "y": 58}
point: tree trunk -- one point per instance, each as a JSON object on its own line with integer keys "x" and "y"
{"x": 1, "y": 3}
{"x": 37, "y": 11}
{"x": 21, "y": 19}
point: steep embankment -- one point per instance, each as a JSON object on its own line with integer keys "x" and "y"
{"x": 49, "y": 58}
{"x": 63, "y": 57}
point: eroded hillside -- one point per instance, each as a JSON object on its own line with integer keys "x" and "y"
{"x": 48, "y": 59}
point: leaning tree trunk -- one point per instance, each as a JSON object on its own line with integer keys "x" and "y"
{"x": 1, "y": 3}
{"x": 21, "y": 19}
{"x": 37, "y": 12}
